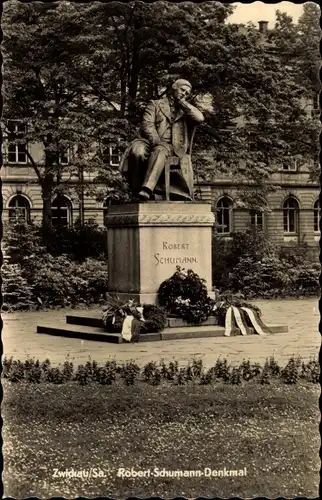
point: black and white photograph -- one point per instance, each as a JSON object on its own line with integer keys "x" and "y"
{"x": 160, "y": 271}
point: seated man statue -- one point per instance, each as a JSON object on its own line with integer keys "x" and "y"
{"x": 166, "y": 131}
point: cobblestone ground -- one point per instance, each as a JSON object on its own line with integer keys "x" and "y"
{"x": 303, "y": 339}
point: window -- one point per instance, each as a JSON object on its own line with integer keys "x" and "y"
{"x": 290, "y": 215}
{"x": 290, "y": 167}
{"x": 19, "y": 209}
{"x": 224, "y": 210}
{"x": 317, "y": 216}
{"x": 257, "y": 219}
{"x": 114, "y": 156}
{"x": 16, "y": 152}
{"x": 61, "y": 211}
{"x": 316, "y": 101}
{"x": 64, "y": 157}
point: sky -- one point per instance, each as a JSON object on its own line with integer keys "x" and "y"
{"x": 259, "y": 11}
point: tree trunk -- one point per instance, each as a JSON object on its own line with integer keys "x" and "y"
{"x": 123, "y": 89}
{"x": 46, "y": 210}
{"x": 47, "y": 191}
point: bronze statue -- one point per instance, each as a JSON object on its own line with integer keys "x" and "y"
{"x": 166, "y": 138}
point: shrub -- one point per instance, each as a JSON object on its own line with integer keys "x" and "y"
{"x": 246, "y": 370}
{"x": 294, "y": 253}
{"x": 290, "y": 373}
{"x": 156, "y": 377}
{"x": 274, "y": 367}
{"x": 55, "y": 376}
{"x": 265, "y": 374}
{"x": 185, "y": 295}
{"x": 250, "y": 264}
{"x": 252, "y": 244}
{"x": 181, "y": 377}
{"x": 53, "y": 281}
{"x": 129, "y": 372}
{"x": 94, "y": 276}
{"x": 68, "y": 370}
{"x": 189, "y": 373}
{"x": 272, "y": 277}
{"x": 173, "y": 368}
{"x": 16, "y": 292}
{"x": 312, "y": 371}
{"x": 220, "y": 265}
{"x": 79, "y": 241}
{"x": 33, "y": 374}
{"x": 82, "y": 375}
{"x": 16, "y": 371}
{"x": 222, "y": 369}
{"x": 305, "y": 279}
{"x": 235, "y": 376}
{"x": 60, "y": 282}
{"x": 265, "y": 278}
{"x": 207, "y": 378}
{"x": 197, "y": 367}
{"x": 35, "y": 277}
{"x": 6, "y": 366}
{"x": 45, "y": 366}
{"x": 149, "y": 370}
{"x": 105, "y": 375}
{"x": 256, "y": 369}
{"x": 169, "y": 372}
{"x": 21, "y": 241}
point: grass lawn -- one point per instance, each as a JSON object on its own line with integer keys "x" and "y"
{"x": 272, "y": 430}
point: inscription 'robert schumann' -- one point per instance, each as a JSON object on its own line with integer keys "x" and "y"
{"x": 174, "y": 260}
{"x": 161, "y": 259}
{"x": 175, "y": 246}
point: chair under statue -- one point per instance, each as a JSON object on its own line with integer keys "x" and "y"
{"x": 173, "y": 165}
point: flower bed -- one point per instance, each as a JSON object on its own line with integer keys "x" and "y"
{"x": 37, "y": 372}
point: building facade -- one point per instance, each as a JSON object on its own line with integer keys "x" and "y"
{"x": 292, "y": 216}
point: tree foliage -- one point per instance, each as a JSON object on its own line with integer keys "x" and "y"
{"x": 54, "y": 105}
{"x": 80, "y": 74}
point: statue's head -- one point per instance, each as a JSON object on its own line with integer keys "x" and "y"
{"x": 181, "y": 89}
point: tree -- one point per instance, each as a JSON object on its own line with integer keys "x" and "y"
{"x": 43, "y": 94}
{"x": 254, "y": 115}
{"x": 84, "y": 72}
{"x": 298, "y": 47}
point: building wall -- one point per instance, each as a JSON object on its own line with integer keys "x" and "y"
{"x": 21, "y": 179}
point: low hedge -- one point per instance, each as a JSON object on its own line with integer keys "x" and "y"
{"x": 34, "y": 371}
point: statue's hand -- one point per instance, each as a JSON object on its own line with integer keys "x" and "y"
{"x": 183, "y": 103}
{"x": 156, "y": 141}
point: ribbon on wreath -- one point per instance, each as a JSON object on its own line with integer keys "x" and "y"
{"x": 242, "y": 317}
{"x": 132, "y": 325}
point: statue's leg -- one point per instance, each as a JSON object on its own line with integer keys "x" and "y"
{"x": 138, "y": 155}
{"x": 155, "y": 168}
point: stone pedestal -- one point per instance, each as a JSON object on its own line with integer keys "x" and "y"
{"x": 146, "y": 241}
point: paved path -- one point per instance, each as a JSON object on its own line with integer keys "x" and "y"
{"x": 302, "y": 317}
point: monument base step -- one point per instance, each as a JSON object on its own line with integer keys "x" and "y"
{"x": 97, "y": 334}
{"x": 172, "y": 322}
